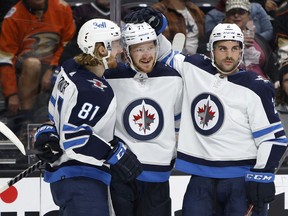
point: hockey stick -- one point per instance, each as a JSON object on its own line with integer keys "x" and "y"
{"x": 21, "y": 175}
{"x": 178, "y": 42}
{"x": 249, "y": 210}
{"x": 12, "y": 137}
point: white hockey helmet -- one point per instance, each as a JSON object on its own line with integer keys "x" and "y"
{"x": 226, "y": 31}
{"x": 137, "y": 33}
{"x": 97, "y": 30}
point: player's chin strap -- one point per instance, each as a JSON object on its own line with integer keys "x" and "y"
{"x": 104, "y": 60}
{"x": 226, "y": 73}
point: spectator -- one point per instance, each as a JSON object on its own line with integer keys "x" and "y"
{"x": 257, "y": 14}
{"x": 81, "y": 14}
{"x": 281, "y": 33}
{"x": 83, "y": 110}
{"x": 185, "y": 17}
{"x": 32, "y": 39}
{"x": 270, "y": 6}
{"x": 149, "y": 96}
{"x": 258, "y": 55}
{"x": 5, "y": 7}
{"x": 281, "y": 100}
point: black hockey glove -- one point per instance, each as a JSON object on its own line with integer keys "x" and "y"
{"x": 124, "y": 162}
{"x": 150, "y": 15}
{"x": 260, "y": 189}
{"x": 46, "y": 142}
{"x": 134, "y": 17}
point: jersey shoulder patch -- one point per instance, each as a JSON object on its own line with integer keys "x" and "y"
{"x": 10, "y": 12}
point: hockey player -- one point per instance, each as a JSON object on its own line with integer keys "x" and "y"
{"x": 83, "y": 110}
{"x": 231, "y": 139}
{"x": 149, "y": 97}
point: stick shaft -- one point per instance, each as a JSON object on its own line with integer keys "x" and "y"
{"x": 21, "y": 175}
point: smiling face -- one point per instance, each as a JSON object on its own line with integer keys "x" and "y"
{"x": 143, "y": 56}
{"x": 227, "y": 55}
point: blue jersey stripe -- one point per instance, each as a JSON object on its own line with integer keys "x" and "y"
{"x": 265, "y": 131}
{"x": 75, "y": 142}
{"x": 75, "y": 171}
{"x": 211, "y": 172}
{"x": 151, "y": 176}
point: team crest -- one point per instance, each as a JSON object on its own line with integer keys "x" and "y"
{"x": 98, "y": 84}
{"x": 143, "y": 119}
{"x": 207, "y": 114}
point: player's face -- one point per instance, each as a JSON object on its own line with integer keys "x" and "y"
{"x": 227, "y": 55}
{"x": 285, "y": 83}
{"x": 116, "y": 50}
{"x": 143, "y": 56}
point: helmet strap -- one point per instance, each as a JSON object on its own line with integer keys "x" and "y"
{"x": 104, "y": 60}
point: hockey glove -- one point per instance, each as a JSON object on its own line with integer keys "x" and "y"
{"x": 150, "y": 15}
{"x": 124, "y": 162}
{"x": 134, "y": 17}
{"x": 260, "y": 189}
{"x": 46, "y": 142}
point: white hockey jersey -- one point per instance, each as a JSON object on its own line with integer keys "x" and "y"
{"x": 83, "y": 108}
{"x": 148, "y": 110}
{"x": 228, "y": 124}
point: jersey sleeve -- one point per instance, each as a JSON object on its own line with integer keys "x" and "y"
{"x": 267, "y": 129}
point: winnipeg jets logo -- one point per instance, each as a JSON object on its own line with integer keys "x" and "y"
{"x": 143, "y": 119}
{"x": 98, "y": 84}
{"x": 207, "y": 114}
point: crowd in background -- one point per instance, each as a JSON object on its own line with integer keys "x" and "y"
{"x": 88, "y": 137}
{"x": 27, "y": 75}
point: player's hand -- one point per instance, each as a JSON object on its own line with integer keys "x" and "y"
{"x": 13, "y": 104}
{"x": 124, "y": 162}
{"x": 46, "y": 80}
{"x": 260, "y": 189}
{"x": 150, "y": 15}
{"x": 134, "y": 17}
{"x": 46, "y": 142}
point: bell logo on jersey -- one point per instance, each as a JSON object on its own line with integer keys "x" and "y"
{"x": 143, "y": 119}
{"x": 207, "y": 114}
